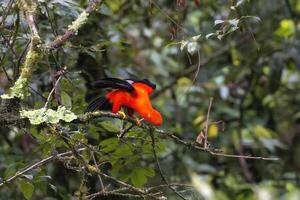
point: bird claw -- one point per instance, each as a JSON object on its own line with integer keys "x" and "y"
{"x": 123, "y": 114}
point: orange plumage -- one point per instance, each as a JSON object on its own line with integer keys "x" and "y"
{"x": 131, "y": 94}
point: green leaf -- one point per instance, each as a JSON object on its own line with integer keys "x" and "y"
{"x": 10, "y": 171}
{"x": 77, "y": 136}
{"x": 140, "y": 175}
{"x": 66, "y": 99}
{"x": 110, "y": 126}
{"x": 27, "y": 189}
{"x": 263, "y": 132}
{"x": 123, "y": 151}
{"x": 109, "y": 145}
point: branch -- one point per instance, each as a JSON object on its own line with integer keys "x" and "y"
{"x": 211, "y": 151}
{"x": 96, "y": 165}
{"x": 116, "y": 192}
{"x": 19, "y": 89}
{"x": 160, "y": 170}
{"x": 141, "y": 192}
{"x": 36, "y": 165}
{"x": 76, "y": 25}
{"x": 207, "y": 123}
{"x": 99, "y": 114}
{"x": 50, "y": 94}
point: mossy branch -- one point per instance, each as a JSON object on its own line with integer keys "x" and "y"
{"x": 34, "y": 54}
{"x": 20, "y": 88}
{"x": 75, "y": 26}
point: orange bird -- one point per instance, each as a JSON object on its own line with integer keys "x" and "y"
{"x": 131, "y": 94}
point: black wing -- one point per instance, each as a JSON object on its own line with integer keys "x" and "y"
{"x": 145, "y": 81}
{"x": 100, "y": 103}
{"x": 115, "y": 83}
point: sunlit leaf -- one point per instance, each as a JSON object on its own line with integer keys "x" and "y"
{"x": 286, "y": 28}
{"x": 213, "y": 131}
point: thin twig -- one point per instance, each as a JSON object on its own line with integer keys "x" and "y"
{"x": 139, "y": 191}
{"x": 170, "y": 184}
{"x": 159, "y": 168}
{"x": 116, "y": 192}
{"x": 198, "y": 66}
{"x": 50, "y": 94}
{"x": 207, "y": 123}
{"x": 92, "y": 196}
{"x": 168, "y": 16}
{"x": 4, "y": 15}
{"x": 99, "y": 176}
{"x": 54, "y": 30}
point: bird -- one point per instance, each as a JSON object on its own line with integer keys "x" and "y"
{"x": 131, "y": 94}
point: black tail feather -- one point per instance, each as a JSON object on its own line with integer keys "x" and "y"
{"x": 100, "y": 103}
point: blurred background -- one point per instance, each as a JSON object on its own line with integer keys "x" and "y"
{"x": 244, "y": 54}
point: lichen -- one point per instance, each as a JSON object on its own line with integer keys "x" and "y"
{"x": 18, "y": 90}
{"x": 80, "y": 21}
{"x": 66, "y": 115}
{"x": 48, "y": 115}
{"x": 35, "y": 116}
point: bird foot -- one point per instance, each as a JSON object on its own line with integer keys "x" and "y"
{"x": 123, "y": 114}
{"x": 137, "y": 120}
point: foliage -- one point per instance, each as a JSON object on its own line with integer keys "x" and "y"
{"x": 244, "y": 54}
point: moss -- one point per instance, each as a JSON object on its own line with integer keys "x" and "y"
{"x": 20, "y": 87}
{"x": 27, "y": 5}
{"x": 29, "y": 66}
{"x": 35, "y": 39}
{"x": 92, "y": 169}
{"x": 34, "y": 54}
{"x": 80, "y": 21}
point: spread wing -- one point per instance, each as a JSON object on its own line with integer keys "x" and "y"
{"x": 115, "y": 83}
{"x": 145, "y": 81}
{"x": 100, "y": 103}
